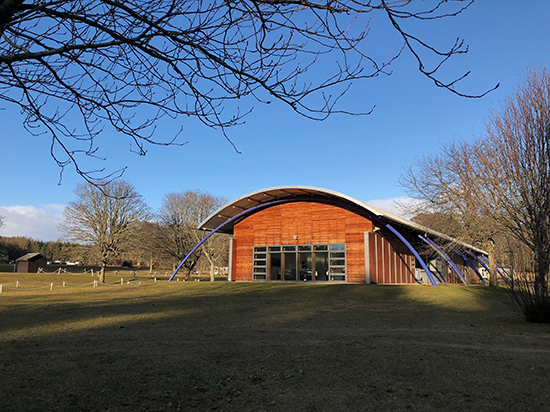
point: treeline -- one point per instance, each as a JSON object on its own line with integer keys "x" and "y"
{"x": 118, "y": 227}
{"x": 12, "y": 248}
{"x": 109, "y": 224}
{"x": 147, "y": 249}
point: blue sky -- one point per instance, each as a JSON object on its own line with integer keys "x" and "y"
{"x": 360, "y": 156}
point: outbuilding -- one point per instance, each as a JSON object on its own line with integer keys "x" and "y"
{"x": 303, "y": 233}
{"x": 31, "y": 263}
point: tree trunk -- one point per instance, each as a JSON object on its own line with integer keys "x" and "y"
{"x": 151, "y": 265}
{"x": 542, "y": 264}
{"x": 102, "y": 273}
{"x": 492, "y": 264}
{"x": 211, "y": 272}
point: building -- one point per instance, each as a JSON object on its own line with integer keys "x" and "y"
{"x": 303, "y": 233}
{"x": 31, "y": 263}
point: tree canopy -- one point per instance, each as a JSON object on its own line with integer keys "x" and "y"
{"x": 106, "y": 218}
{"x": 179, "y": 217}
{"x": 500, "y": 183}
{"x": 76, "y": 68}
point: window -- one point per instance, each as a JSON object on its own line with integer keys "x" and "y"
{"x": 322, "y": 263}
{"x": 260, "y": 263}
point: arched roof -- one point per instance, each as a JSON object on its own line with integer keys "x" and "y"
{"x": 282, "y": 194}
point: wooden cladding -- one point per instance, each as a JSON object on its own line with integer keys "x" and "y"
{"x": 389, "y": 260}
{"x": 376, "y": 257}
{"x": 310, "y": 223}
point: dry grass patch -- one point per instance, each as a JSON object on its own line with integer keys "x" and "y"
{"x": 267, "y": 346}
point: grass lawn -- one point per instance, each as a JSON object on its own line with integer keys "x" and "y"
{"x": 202, "y": 346}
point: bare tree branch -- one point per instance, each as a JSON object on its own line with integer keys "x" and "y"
{"x": 105, "y": 218}
{"x": 77, "y": 68}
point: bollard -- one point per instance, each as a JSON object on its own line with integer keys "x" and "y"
{"x": 51, "y": 287}
{"x": 95, "y": 283}
{"x": 0, "y": 288}
{"x": 16, "y": 283}
{"x": 155, "y": 281}
{"x": 91, "y": 270}
{"x": 63, "y": 283}
{"x": 121, "y": 281}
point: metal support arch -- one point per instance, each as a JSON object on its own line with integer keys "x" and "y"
{"x": 446, "y": 257}
{"x": 372, "y": 216}
{"x": 318, "y": 200}
{"x": 414, "y": 252}
{"x": 221, "y": 227}
{"x": 498, "y": 271}
{"x": 469, "y": 262}
{"x": 481, "y": 262}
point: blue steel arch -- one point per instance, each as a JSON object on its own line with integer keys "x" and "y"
{"x": 234, "y": 218}
{"x": 500, "y": 272}
{"x": 317, "y": 199}
{"x": 445, "y": 256}
{"x": 482, "y": 263}
{"x": 469, "y": 263}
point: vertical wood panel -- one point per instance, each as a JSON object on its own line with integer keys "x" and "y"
{"x": 314, "y": 223}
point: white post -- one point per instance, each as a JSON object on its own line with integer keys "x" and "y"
{"x": 16, "y": 283}
{"x": 95, "y": 283}
{"x": 91, "y": 270}
{"x": 0, "y": 288}
{"x": 230, "y": 269}
{"x": 155, "y": 282}
{"x": 51, "y": 287}
{"x": 63, "y": 283}
{"x": 121, "y": 281}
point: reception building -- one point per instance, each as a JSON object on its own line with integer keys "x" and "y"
{"x": 303, "y": 233}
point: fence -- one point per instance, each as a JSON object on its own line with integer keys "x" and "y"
{"x": 19, "y": 286}
{"x": 7, "y": 267}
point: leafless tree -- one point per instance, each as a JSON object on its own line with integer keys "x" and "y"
{"x": 449, "y": 193}
{"x": 179, "y": 216}
{"x": 503, "y": 177}
{"x": 514, "y": 161}
{"x": 78, "y": 67}
{"x": 106, "y": 218}
{"x": 215, "y": 250}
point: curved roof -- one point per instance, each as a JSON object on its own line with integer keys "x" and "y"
{"x": 281, "y": 194}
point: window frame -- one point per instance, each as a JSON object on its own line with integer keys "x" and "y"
{"x": 336, "y": 258}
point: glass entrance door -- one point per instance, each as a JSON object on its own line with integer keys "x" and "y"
{"x": 324, "y": 263}
{"x": 321, "y": 265}
{"x": 306, "y": 265}
{"x": 274, "y": 267}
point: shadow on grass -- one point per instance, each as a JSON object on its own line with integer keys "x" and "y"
{"x": 246, "y": 346}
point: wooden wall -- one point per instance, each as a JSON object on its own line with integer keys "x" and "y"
{"x": 313, "y": 223}
{"x": 25, "y": 266}
{"x": 466, "y": 270}
{"x": 390, "y": 260}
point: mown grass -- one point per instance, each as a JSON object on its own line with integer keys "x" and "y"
{"x": 268, "y": 347}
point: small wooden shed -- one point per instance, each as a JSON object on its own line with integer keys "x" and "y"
{"x": 31, "y": 263}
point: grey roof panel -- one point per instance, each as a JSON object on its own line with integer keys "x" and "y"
{"x": 296, "y": 192}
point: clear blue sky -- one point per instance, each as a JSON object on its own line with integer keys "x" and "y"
{"x": 359, "y": 156}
